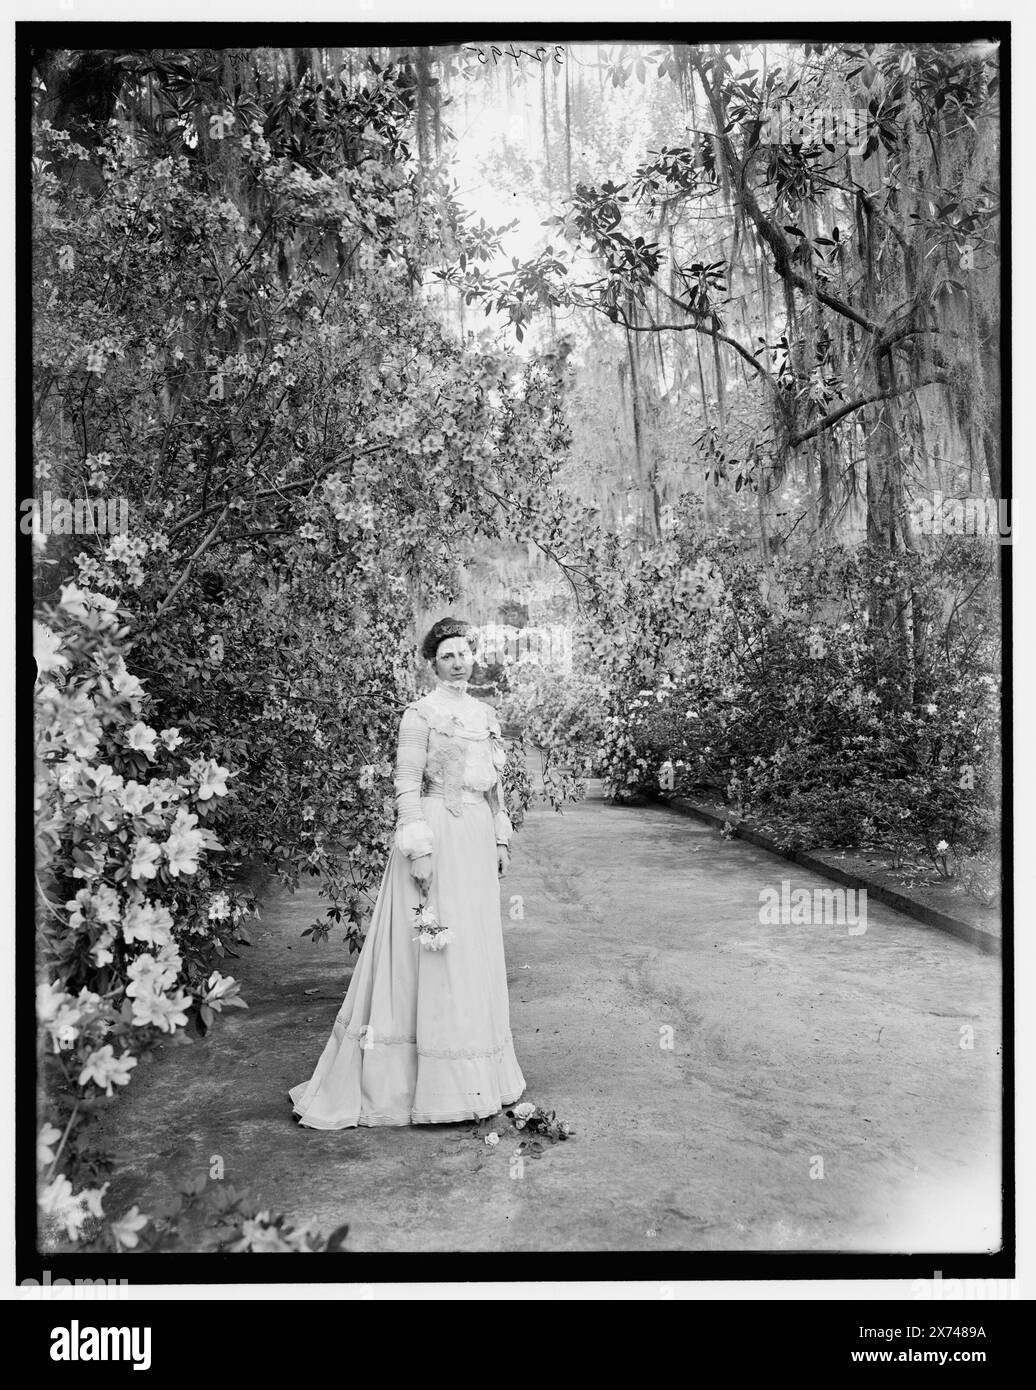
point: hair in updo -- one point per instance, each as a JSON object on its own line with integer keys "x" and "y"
{"x": 444, "y": 628}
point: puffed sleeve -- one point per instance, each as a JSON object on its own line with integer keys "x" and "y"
{"x": 413, "y": 833}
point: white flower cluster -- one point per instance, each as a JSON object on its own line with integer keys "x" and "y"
{"x": 432, "y": 935}
{"x": 117, "y": 835}
{"x": 262, "y": 1234}
{"x": 61, "y": 1209}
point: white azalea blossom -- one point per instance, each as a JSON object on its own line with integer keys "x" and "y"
{"x": 142, "y": 738}
{"x": 219, "y": 907}
{"x": 57, "y": 1201}
{"x": 69, "y": 1210}
{"x": 212, "y": 779}
{"x": 101, "y": 950}
{"x": 148, "y": 975}
{"x": 125, "y": 1229}
{"x": 46, "y": 648}
{"x": 218, "y": 986}
{"x": 127, "y": 685}
{"x": 148, "y": 922}
{"x": 59, "y": 1013}
{"x": 106, "y": 1070}
{"x": 146, "y": 855}
{"x": 167, "y": 1012}
{"x": 135, "y": 796}
{"x": 46, "y": 1139}
{"x": 182, "y": 850}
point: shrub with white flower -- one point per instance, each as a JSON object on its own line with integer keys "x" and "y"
{"x": 219, "y": 907}
{"x": 65, "y": 1211}
{"x": 105, "y": 1069}
{"x": 133, "y": 912}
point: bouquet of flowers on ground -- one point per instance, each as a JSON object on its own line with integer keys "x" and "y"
{"x": 431, "y": 933}
{"x": 535, "y": 1118}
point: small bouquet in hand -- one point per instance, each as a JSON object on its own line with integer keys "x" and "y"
{"x": 431, "y": 933}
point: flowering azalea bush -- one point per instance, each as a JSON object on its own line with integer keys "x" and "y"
{"x": 792, "y": 706}
{"x": 229, "y": 340}
{"x": 559, "y": 710}
{"x": 215, "y": 1216}
{"x": 134, "y": 909}
{"x": 315, "y": 444}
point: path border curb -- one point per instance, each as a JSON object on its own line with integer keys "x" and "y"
{"x": 880, "y": 892}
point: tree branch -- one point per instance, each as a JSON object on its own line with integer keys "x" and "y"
{"x": 700, "y": 327}
{"x": 768, "y": 231}
{"x": 826, "y": 421}
{"x": 191, "y": 563}
{"x": 277, "y": 491}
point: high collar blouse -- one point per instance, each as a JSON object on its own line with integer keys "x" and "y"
{"x": 449, "y": 743}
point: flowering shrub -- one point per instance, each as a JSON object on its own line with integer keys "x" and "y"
{"x": 561, "y": 714}
{"x": 134, "y": 909}
{"x": 311, "y": 456}
{"x": 556, "y": 709}
{"x": 201, "y": 1216}
{"x": 788, "y": 691}
{"x": 794, "y": 707}
{"x": 232, "y": 343}
{"x": 215, "y": 1216}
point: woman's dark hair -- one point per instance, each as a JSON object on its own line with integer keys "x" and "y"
{"x": 444, "y": 628}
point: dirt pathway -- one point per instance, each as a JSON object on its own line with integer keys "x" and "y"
{"x": 735, "y": 1084}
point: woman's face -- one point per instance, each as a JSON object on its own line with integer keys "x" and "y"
{"x": 454, "y": 659}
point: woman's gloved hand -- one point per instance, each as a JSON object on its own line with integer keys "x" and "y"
{"x": 421, "y": 869}
{"x": 503, "y": 860}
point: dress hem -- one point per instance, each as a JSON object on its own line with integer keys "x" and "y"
{"x": 372, "y": 1121}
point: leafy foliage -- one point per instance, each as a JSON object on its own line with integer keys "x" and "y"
{"x": 227, "y": 339}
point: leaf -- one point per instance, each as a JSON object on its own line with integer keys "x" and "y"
{"x": 336, "y": 1240}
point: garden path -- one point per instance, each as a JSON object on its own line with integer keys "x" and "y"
{"x": 790, "y": 1045}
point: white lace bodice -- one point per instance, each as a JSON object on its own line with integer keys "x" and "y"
{"x": 449, "y": 743}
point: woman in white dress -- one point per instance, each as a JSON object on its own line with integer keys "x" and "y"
{"x": 423, "y": 1036}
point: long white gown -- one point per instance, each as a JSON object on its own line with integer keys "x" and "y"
{"x": 424, "y": 1037}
